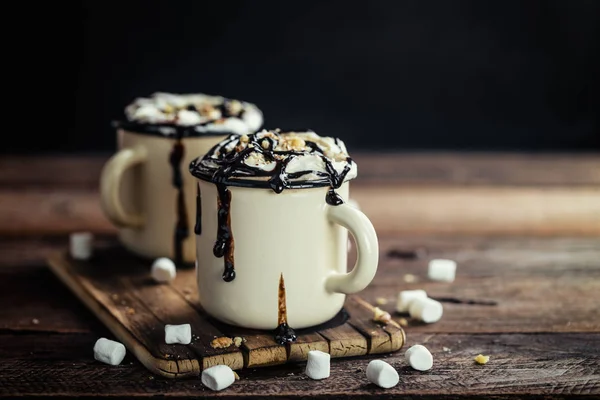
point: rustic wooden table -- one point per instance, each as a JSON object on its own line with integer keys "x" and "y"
{"x": 524, "y": 229}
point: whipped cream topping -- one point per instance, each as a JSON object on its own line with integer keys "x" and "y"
{"x": 282, "y": 159}
{"x": 197, "y": 114}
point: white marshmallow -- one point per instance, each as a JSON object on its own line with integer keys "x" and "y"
{"x": 442, "y": 270}
{"x": 163, "y": 270}
{"x": 382, "y": 374}
{"x": 218, "y": 377}
{"x": 109, "y": 351}
{"x": 178, "y": 334}
{"x": 80, "y": 245}
{"x": 317, "y": 366}
{"x": 426, "y": 310}
{"x": 419, "y": 357}
{"x": 405, "y": 297}
{"x": 186, "y": 117}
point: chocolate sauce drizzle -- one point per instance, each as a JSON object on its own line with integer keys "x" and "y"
{"x": 181, "y": 225}
{"x": 231, "y": 165}
{"x": 173, "y": 130}
{"x": 283, "y": 333}
{"x": 225, "y": 243}
{"x": 198, "y": 225}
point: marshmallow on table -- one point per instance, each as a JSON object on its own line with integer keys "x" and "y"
{"x": 109, "y": 351}
{"x": 405, "y": 297}
{"x": 382, "y": 374}
{"x": 317, "y": 366}
{"x": 218, "y": 377}
{"x": 181, "y": 334}
{"x": 442, "y": 270}
{"x": 426, "y": 310}
{"x": 419, "y": 357}
{"x": 163, "y": 270}
{"x": 80, "y": 245}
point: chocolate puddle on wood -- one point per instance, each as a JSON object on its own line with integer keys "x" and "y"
{"x": 181, "y": 224}
{"x": 283, "y": 333}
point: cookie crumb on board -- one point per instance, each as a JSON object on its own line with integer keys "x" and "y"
{"x": 381, "y": 301}
{"x": 381, "y": 316}
{"x": 221, "y": 342}
{"x": 481, "y": 359}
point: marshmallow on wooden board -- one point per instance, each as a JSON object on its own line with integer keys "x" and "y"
{"x": 80, "y": 245}
{"x": 218, "y": 377}
{"x": 181, "y": 334}
{"x": 109, "y": 351}
{"x": 405, "y": 297}
{"x": 442, "y": 270}
{"x": 426, "y": 310}
{"x": 163, "y": 270}
{"x": 419, "y": 357}
{"x": 318, "y": 364}
{"x": 382, "y": 374}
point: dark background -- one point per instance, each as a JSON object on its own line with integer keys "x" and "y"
{"x": 385, "y": 75}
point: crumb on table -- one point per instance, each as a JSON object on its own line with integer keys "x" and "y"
{"x": 481, "y": 359}
{"x": 221, "y": 342}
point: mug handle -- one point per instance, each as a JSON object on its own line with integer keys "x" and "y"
{"x": 110, "y": 182}
{"x": 367, "y": 247}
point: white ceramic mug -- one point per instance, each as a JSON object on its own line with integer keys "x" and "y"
{"x": 138, "y": 196}
{"x": 145, "y": 188}
{"x": 294, "y": 235}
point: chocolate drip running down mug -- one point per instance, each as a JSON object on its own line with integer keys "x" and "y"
{"x": 272, "y": 231}
{"x": 145, "y": 189}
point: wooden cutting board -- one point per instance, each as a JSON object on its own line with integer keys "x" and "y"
{"x": 117, "y": 288}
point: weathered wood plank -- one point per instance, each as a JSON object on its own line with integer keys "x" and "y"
{"x": 345, "y": 341}
{"x": 538, "y": 284}
{"x": 498, "y": 168}
{"x": 503, "y": 284}
{"x": 382, "y": 338}
{"x": 170, "y": 308}
{"x": 393, "y": 209}
{"x": 557, "y": 366}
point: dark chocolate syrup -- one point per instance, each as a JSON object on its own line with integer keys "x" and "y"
{"x": 225, "y": 243}
{"x": 181, "y": 224}
{"x": 333, "y": 198}
{"x": 283, "y": 333}
{"x": 198, "y": 225}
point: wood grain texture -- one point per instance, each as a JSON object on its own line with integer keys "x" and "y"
{"x": 548, "y": 194}
{"x": 556, "y": 366}
{"x": 514, "y": 169}
{"x": 117, "y": 287}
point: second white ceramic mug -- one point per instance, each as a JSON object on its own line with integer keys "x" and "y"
{"x": 145, "y": 188}
{"x": 138, "y": 195}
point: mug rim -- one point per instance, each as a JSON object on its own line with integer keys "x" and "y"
{"x": 166, "y": 130}
{"x": 263, "y": 183}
